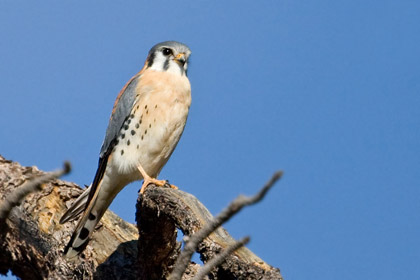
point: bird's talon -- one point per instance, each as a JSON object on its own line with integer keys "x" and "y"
{"x": 168, "y": 185}
{"x": 173, "y": 187}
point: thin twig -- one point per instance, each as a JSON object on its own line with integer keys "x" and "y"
{"x": 34, "y": 184}
{"x": 234, "y": 207}
{"x": 220, "y": 258}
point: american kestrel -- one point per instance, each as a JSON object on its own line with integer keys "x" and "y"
{"x": 146, "y": 123}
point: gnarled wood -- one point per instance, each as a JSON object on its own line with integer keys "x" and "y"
{"x": 189, "y": 214}
{"x": 32, "y": 240}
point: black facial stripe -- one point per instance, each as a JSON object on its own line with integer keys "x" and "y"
{"x": 151, "y": 59}
{"x": 182, "y": 69}
{"x": 166, "y": 64}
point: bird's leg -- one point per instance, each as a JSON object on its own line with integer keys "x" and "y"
{"x": 149, "y": 180}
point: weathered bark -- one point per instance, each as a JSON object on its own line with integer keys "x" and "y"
{"x": 32, "y": 240}
{"x": 162, "y": 207}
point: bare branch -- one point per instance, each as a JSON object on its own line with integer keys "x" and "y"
{"x": 234, "y": 207}
{"x": 16, "y": 197}
{"x": 32, "y": 239}
{"x": 220, "y": 258}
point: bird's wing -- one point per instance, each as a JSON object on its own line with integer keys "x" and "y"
{"x": 121, "y": 111}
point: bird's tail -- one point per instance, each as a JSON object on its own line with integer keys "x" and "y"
{"x": 94, "y": 209}
{"x": 84, "y": 229}
{"x": 79, "y": 238}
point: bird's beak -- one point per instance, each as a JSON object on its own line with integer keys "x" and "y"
{"x": 180, "y": 58}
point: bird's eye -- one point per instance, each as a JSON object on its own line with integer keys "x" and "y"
{"x": 166, "y": 51}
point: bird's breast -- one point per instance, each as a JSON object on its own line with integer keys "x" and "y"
{"x": 155, "y": 125}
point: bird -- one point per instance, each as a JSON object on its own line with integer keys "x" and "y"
{"x": 146, "y": 123}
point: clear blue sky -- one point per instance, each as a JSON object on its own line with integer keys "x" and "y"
{"x": 327, "y": 91}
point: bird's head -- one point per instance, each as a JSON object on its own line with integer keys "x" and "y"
{"x": 169, "y": 56}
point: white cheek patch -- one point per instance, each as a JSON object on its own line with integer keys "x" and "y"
{"x": 158, "y": 62}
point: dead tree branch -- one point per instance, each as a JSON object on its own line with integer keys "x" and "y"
{"x": 32, "y": 239}
{"x": 233, "y": 208}
{"x": 188, "y": 214}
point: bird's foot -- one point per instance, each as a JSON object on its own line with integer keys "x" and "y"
{"x": 147, "y": 180}
{"x": 159, "y": 183}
